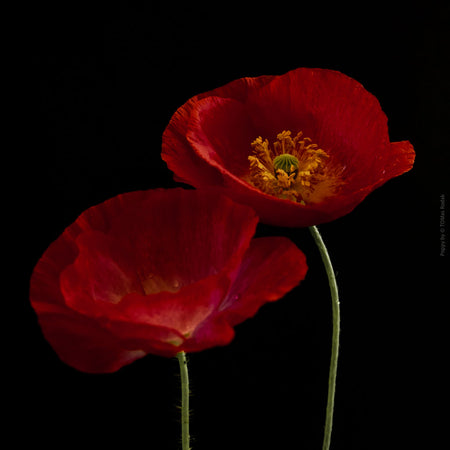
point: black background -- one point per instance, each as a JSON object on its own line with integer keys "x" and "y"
{"x": 103, "y": 83}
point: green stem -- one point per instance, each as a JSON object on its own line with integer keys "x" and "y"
{"x": 184, "y": 400}
{"x": 335, "y": 336}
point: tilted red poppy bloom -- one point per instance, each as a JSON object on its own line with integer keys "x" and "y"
{"x": 301, "y": 148}
{"x": 159, "y": 272}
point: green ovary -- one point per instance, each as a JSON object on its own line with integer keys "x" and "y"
{"x": 285, "y": 162}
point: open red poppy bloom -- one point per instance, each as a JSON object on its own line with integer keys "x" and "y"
{"x": 301, "y": 148}
{"x": 158, "y": 272}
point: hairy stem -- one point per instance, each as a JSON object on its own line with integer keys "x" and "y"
{"x": 335, "y": 336}
{"x": 184, "y": 400}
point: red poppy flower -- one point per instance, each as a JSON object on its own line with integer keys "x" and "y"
{"x": 158, "y": 272}
{"x": 301, "y": 148}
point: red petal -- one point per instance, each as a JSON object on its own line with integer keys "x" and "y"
{"x": 216, "y": 331}
{"x": 183, "y": 236}
{"x": 220, "y": 132}
{"x": 182, "y": 311}
{"x": 154, "y": 240}
{"x": 100, "y": 274}
{"x": 90, "y": 346}
{"x": 334, "y": 110}
{"x": 85, "y": 346}
{"x": 271, "y": 268}
{"x": 402, "y": 157}
{"x": 176, "y": 150}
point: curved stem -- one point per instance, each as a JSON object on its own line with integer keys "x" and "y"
{"x": 335, "y": 336}
{"x": 184, "y": 400}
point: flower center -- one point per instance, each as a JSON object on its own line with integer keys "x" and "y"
{"x": 292, "y": 168}
{"x": 286, "y": 162}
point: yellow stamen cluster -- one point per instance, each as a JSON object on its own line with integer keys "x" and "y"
{"x": 291, "y": 169}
